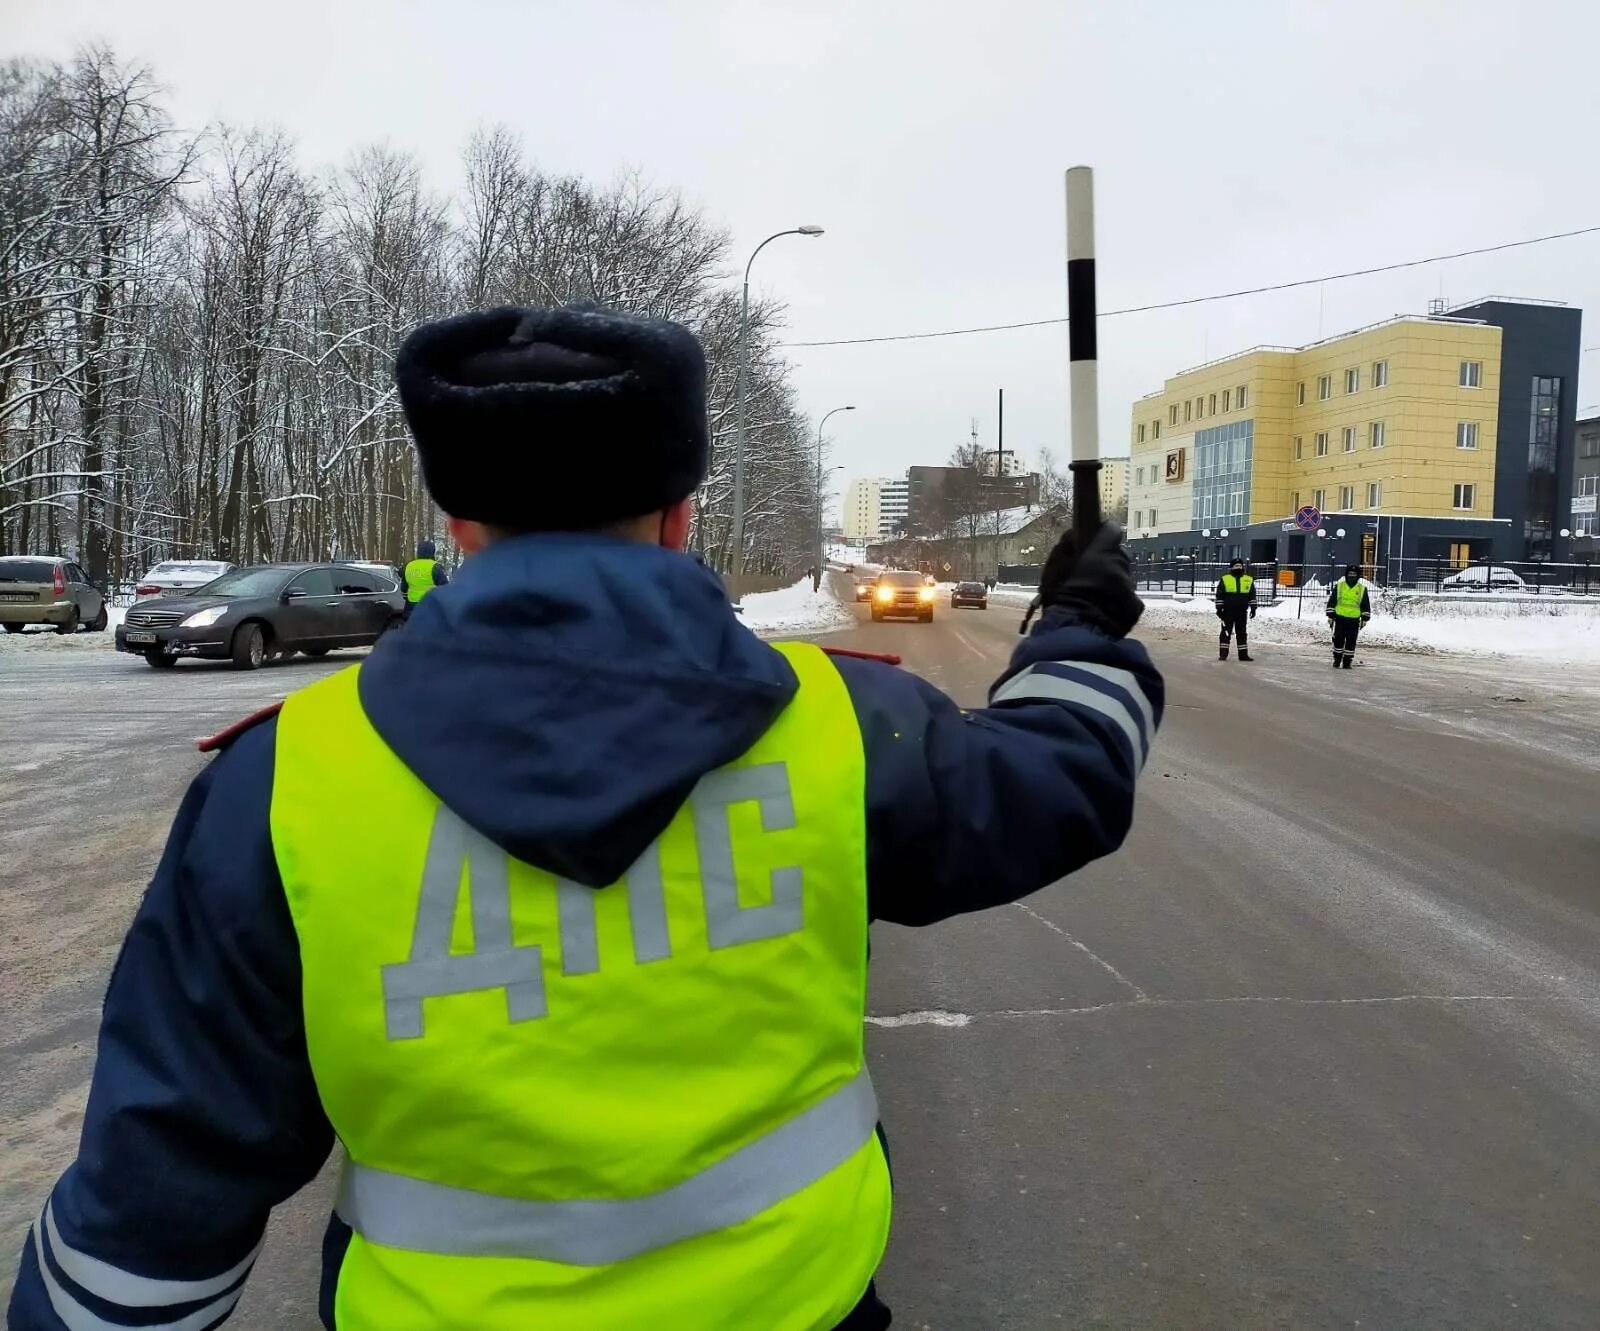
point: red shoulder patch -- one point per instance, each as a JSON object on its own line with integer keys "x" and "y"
{"x": 888, "y": 658}
{"x": 223, "y": 738}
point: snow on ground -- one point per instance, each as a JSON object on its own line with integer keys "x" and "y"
{"x": 794, "y": 611}
{"x": 1566, "y": 632}
{"x": 47, "y": 639}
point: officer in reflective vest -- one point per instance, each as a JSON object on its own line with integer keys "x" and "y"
{"x": 423, "y": 574}
{"x": 570, "y": 955}
{"x": 1348, "y": 613}
{"x": 1236, "y": 606}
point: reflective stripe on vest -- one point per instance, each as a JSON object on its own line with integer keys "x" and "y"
{"x": 566, "y": 1106}
{"x": 1348, "y": 602}
{"x": 419, "y": 579}
{"x": 1237, "y": 585}
{"x": 412, "y": 1213}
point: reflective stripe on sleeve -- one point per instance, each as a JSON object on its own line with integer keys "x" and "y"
{"x": 1052, "y": 681}
{"x": 397, "y": 1211}
{"x": 77, "y": 1316}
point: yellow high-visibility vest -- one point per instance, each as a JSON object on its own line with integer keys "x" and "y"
{"x": 1348, "y": 599}
{"x": 642, "y": 1105}
{"x": 1242, "y": 583}
{"x": 419, "y": 578}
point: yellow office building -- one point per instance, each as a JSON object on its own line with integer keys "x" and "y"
{"x": 1402, "y": 419}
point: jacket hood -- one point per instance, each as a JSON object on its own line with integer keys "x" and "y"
{"x": 566, "y": 691}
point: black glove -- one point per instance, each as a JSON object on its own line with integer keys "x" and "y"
{"x": 1252, "y": 610}
{"x": 1097, "y": 585}
{"x": 1364, "y": 619}
{"x": 1221, "y": 613}
{"x": 1330, "y": 621}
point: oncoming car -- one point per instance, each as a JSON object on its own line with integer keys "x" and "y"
{"x": 902, "y": 594}
{"x": 970, "y": 593}
{"x": 865, "y": 587}
{"x": 271, "y": 610}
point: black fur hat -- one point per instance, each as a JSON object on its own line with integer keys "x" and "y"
{"x": 555, "y": 420}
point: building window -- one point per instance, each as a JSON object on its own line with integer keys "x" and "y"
{"x": 1239, "y": 396}
{"x": 1466, "y": 434}
{"x": 1187, "y": 407}
{"x": 1464, "y": 496}
{"x": 1141, "y": 434}
{"x": 1299, "y": 448}
{"x": 1227, "y": 398}
{"x": 1172, "y": 415}
{"x": 1472, "y": 374}
{"x": 1347, "y": 498}
{"x": 1213, "y": 404}
{"x": 1317, "y": 499}
{"x": 1294, "y": 502}
{"x": 1589, "y": 446}
{"x": 1544, "y": 424}
{"x": 1300, "y": 394}
{"x": 1322, "y": 448}
{"x": 1324, "y": 388}
{"x": 1349, "y": 439}
{"x": 1380, "y": 374}
{"x": 1374, "y": 493}
{"x": 1155, "y": 429}
{"x": 1352, "y": 381}
{"x": 1199, "y": 407}
{"x": 1376, "y": 435}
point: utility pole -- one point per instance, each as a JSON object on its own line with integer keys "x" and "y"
{"x": 1000, "y": 451}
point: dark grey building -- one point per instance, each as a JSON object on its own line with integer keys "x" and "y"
{"x": 937, "y": 495}
{"x": 1539, "y": 352}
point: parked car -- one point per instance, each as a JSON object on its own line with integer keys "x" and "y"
{"x": 48, "y": 589}
{"x": 179, "y": 575}
{"x": 865, "y": 587}
{"x": 902, "y": 594}
{"x": 380, "y": 568}
{"x": 250, "y": 614}
{"x": 1483, "y": 578}
{"x": 970, "y": 593}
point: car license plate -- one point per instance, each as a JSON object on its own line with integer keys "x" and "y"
{"x": 15, "y": 597}
{"x": 139, "y": 637}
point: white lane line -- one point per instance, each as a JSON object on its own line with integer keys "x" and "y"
{"x": 969, "y": 644}
{"x": 938, "y": 1017}
{"x": 1099, "y": 961}
{"x": 931, "y": 1017}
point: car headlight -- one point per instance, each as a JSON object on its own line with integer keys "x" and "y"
{"x": 926, "y": 593}
{"x": 204, "y": 619}
{"x": 886, "y": 593}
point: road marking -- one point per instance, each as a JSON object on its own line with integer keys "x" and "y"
{"x": 1100, "y": 961}
{"x": 937, "y": 1017}
{"x": 932, "y": 1017}
{"x": 969, "y": 644}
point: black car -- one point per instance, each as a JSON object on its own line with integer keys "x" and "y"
{"x": 969, "y": 593}
{"x": 250, "y": 614}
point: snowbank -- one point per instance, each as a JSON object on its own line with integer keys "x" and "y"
{"x": 48, "y": 640}
{"x": 795, "y": 611}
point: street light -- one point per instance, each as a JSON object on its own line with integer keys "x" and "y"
{"x": 820, "y": 424}
{"x": 744, "y": 377}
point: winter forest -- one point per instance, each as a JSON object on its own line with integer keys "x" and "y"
{"x": 196, "y": 332}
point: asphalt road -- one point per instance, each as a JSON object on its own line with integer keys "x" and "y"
{"x": 1320, "y": 1047}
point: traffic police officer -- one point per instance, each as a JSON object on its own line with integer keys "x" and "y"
{"x": 1236, "y": 605}
{"x": 571, "y": 960}
{"x": 422, "y": 574}
{"x": 1348, "y": 613}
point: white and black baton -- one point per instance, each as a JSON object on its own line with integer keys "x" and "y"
{"x": 1083, "y": 364}
{"x": 1083, "y": 356}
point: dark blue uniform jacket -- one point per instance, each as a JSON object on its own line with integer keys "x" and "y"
{"x": 562, "y": 695}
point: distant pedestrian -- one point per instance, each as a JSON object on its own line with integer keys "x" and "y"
{"x": 1236, "y": 606}
{"x": 815, "y": 575}
{"x": 422, "y": 575}
{"x": 1348, "y": 613}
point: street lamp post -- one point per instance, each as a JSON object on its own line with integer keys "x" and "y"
{"x": 744, "y": 378}
{"x": 818, "y": 565}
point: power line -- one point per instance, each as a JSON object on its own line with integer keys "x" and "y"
{"x": 1201, "y": 300}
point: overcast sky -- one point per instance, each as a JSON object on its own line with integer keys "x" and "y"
{"x": 1235, "y": 142}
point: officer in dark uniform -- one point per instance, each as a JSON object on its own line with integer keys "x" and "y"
{"x": 422, "y": 574}
{"x": 553, "y": 911}
{"x": 1348, "y": 613}
{"x": 1236, "y": 606}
